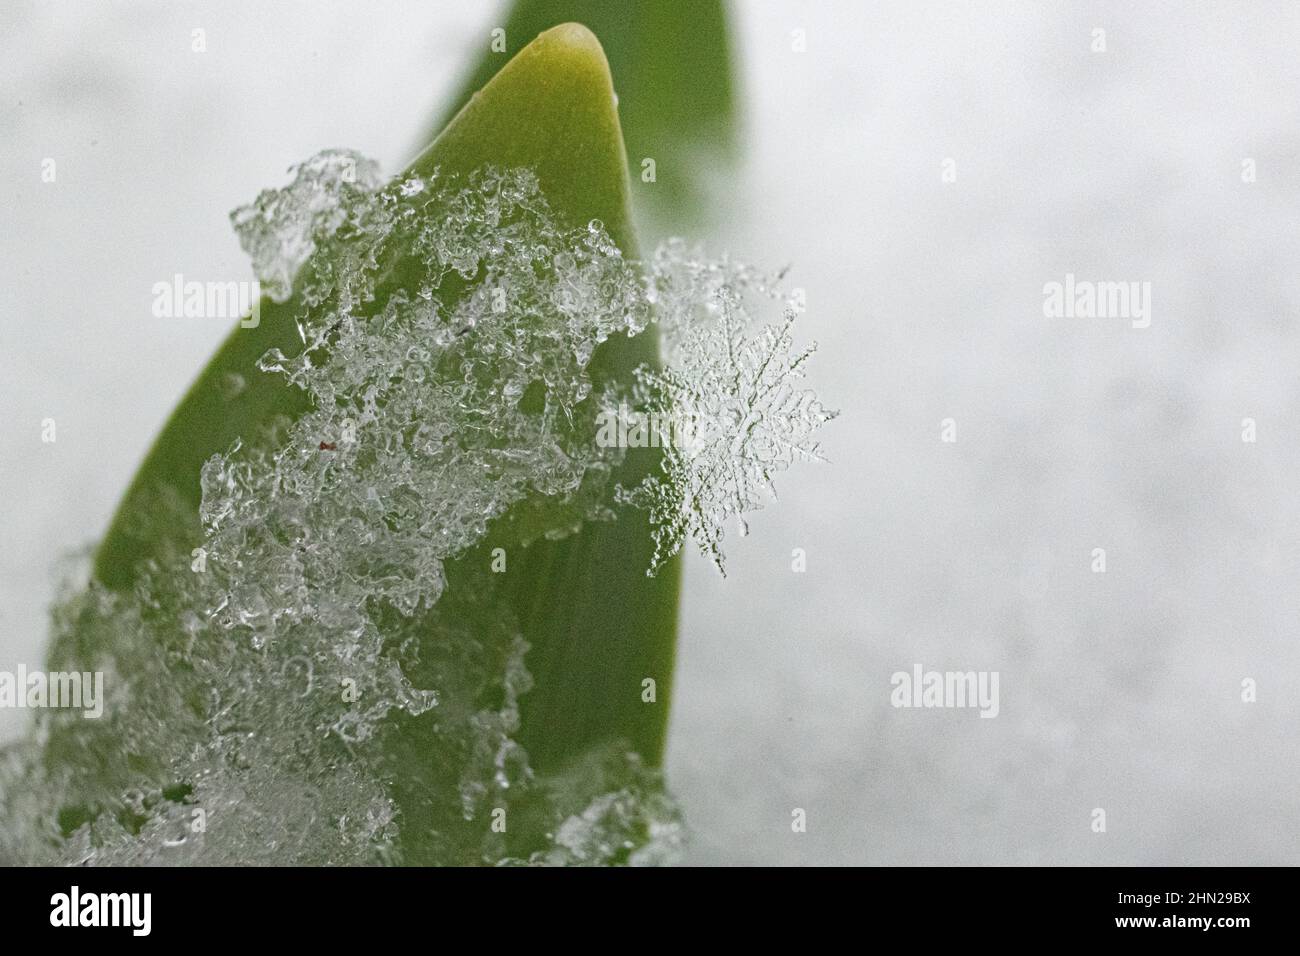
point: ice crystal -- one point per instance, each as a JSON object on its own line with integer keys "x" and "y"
{"x": 279, "y": 229}
{"x": 610, "y": 810}
{"x": 729, "y": 389}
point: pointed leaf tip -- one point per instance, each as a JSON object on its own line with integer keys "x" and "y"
{"x": 551, "y": 109}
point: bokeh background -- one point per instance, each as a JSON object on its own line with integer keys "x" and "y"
{"x": 1119, "y": 691}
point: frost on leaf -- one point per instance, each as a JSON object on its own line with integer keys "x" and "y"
{"x": 320, "y": 688}
{"x": 730, "y": 392}
{"x": 312, "y": 691}
{"x": 279, "y": 229}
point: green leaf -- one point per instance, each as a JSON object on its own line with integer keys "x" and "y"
{"x": 672, "y": 68}
{"x": 596, "y": 624}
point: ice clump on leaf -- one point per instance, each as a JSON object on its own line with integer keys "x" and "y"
{"x": 278, "y": 229}
{"x": 304, "y": 686}
{"x": 420, "y": 434}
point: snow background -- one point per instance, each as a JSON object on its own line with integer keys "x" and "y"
{"x": 1118, "y": 690}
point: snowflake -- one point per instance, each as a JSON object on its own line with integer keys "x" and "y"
{"x": 726, "y": 406}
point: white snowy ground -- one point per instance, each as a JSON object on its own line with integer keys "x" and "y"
{"x": 1119, "y": 691}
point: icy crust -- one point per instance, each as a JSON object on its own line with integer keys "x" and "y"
{"x": 307, "y": 689}
{"x": 436, "y": 404}
{"x": 279, "y": 229}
